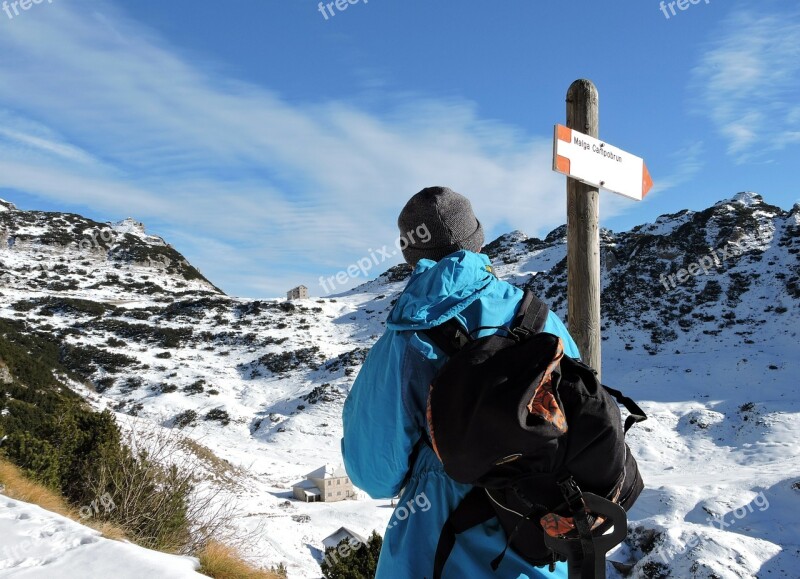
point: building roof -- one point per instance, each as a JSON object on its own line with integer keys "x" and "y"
{"x": 342, "y": 533}
{"x": 305, "y": 484}
{"x": 328, "y": 471}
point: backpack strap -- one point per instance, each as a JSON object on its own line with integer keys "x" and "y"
{"x": 474, "y": 509}
{"x": 450, "y": 336}
{"x": 531, "y": 316}
{"x": 586, "y": 553}
{"x": 575, "y": 501}
{"x": 636, "y": 413}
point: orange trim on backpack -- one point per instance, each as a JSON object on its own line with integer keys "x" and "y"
{"x": 557, "y": 526}
{"x": 544, "y": 401}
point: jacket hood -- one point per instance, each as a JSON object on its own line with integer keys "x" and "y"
{"x": 437, "y": 291}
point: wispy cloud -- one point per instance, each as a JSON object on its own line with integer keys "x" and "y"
{"x": 96, "y": 110}
{"x": 748, "y": 82}
{"x": 688, "y": 163}
{"x": 38, "y": 138}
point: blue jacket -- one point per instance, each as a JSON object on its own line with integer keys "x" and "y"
{"x": 384, "y": 418}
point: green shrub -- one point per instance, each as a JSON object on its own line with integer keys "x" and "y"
{"x": 104, "y": 383}
{"x": 85, "y": 360}
{"x": 132, "y": 383}
{"x": 185, "y": 418}
{"x": 280, "y": 362}
{"x": 59, "y": 441}
{"x": 115, "y": 343}
{"x": 352, "y": 561}
{"x": 151, "y": 500}
{"x": 196, "y": 387}
{"x": 24, "y": 305}
{"x": 220, "y": 415}
{"x": 72, "y": 306}
{"x": 161, "y": 336}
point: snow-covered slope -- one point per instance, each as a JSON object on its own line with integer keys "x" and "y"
{"x": 63, "y": 253}
{"x": 38, "y": 544}
{"x": 711, "y": 357}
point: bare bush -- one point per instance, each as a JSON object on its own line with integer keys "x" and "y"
{"x": 163, "y": 498}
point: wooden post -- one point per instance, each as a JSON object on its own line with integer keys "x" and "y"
{"x": 583, "y": 234}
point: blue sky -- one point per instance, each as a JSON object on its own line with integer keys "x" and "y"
{"x": 273, "y": 146}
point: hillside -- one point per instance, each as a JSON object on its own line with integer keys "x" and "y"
{"x": 66, "y": 253}
{"x": 711, "y": 357}
{"x": 34, "y": 539}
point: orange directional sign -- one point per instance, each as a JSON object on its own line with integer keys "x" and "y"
{"x": 596, "y": 163}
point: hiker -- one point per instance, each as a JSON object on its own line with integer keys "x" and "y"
{"x": 384, "y": 416}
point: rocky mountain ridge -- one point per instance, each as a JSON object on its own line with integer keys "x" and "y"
{"x": 262, "y": 382}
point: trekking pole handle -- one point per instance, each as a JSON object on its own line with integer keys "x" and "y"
{"x": 571, "y": 547}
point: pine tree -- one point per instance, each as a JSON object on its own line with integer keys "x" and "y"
{"x": 352, "y": 560}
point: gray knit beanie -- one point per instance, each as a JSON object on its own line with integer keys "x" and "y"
{"x": 436, "y": 222}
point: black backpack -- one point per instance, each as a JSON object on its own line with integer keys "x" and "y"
{"x": 538, "y": 437}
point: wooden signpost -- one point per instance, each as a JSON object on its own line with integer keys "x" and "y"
{"x": 589, "y": 164}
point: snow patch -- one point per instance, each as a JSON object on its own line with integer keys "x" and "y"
{"x": 38, "y": 543}
{"x": 746, "y": 198}
{"x": 130, "y": 225}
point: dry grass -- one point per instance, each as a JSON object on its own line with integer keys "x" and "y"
{"x": 218, "y": 469}
{"x": 19, "y": 487}
{"x": 224, "y": 562}
{"x": 216, "y": 559}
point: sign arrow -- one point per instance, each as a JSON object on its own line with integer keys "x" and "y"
{"x": 599, "y": 164}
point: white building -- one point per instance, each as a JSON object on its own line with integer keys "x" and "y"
{"x": 327, "y": 484}
{"x": 331, "y": 541}
{"x": 298, "y": 293}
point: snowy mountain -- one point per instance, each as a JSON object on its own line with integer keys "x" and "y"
{"x": 700, "y": 326}
{"x": 63, "y": 253}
